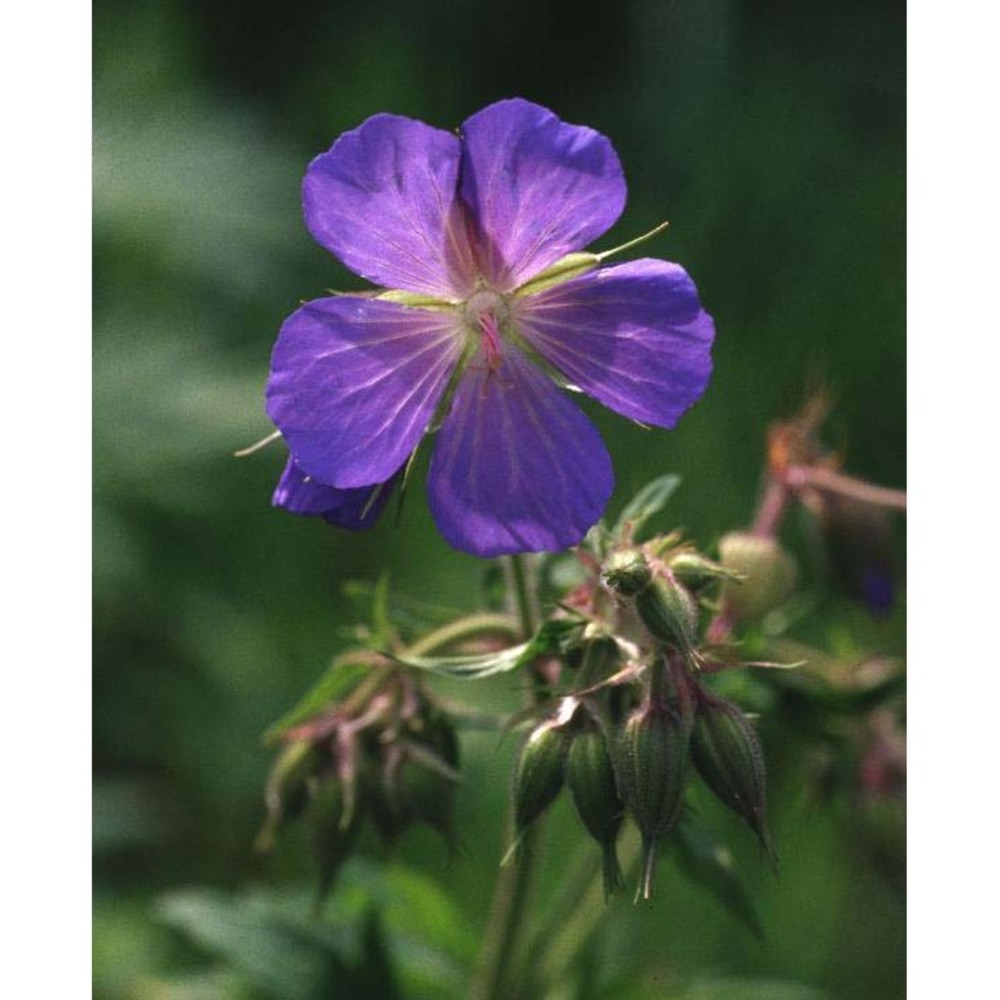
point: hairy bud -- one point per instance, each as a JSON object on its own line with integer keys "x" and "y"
{"x": 591, "y": 780}
{"x": 540, "y": 772}
{"x": 285, "y": 793}
{"x": 670, "y": 613}
{"x": 696, "y": 571}
{"x": 651, "y": 769}
{"x": 727, "y": 754}
{"x": 627, "y": 572}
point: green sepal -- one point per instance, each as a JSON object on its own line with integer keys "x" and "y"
{"x": 570, "y": 266}
{"x": 415, "y": 300}
{"x": 727, "y": 753}
{"x": 540, "y": 772}
{"x": 590, "y": 777}
{"x": 670, "y": 613}
{"x": 651, "y": 757}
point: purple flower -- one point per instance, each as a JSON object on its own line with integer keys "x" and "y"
{"x": 492, "y": 307}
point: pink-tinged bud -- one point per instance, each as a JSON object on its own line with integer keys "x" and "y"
{"x": 727, "y": 754}
{"x": 591, "y": 780}
{"x": 769, "y": 570}
{"x": 540, "y": 772}
{"x": 285, "y": 793}
{"x": 651, "y": 771}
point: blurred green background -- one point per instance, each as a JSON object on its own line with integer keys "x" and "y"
{"x": 770, "y": 134}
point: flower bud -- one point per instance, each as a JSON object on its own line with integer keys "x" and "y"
{"x": 381, "y": 768}
{"x": 696, "y": 571}
{"x": 670, "y": 613}
{"x": 727, "y": 754}
{"x": 591, "y": 780}
{"x": 627, "y": 572}
{"x": 540, "y": 772}
{"x": 285, "y": 793}
{"x": 651, "y": 770}
{"x": 769, "y": 570}
{"x": 601, "y": 659}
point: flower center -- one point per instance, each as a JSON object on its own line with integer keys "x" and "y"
{"x": 484, "y": 313}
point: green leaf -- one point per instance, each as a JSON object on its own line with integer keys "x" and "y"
{"x": 708, "y": 862}
{"x": 650, "y": 500}
{"x": 554, "y": 636}
{"x": 280, "y": 953}
{"x": 339, "y": 679}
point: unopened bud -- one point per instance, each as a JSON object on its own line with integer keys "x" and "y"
{"x": 285, "y": 793}
{"x": 727, "y": 754}
{"x": 591, "y": 780}
{"x": 696, "y": 571}
{"x": 651, "y": 768}
{"x": 670, "y": 613}
{"x": 601, "y": 659}
{"x": 627, "y": 572}
{"x": 769, "y": 570}
{"x": 540, "y": 772}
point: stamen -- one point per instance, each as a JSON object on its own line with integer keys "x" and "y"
{"x": 262, "y": 443}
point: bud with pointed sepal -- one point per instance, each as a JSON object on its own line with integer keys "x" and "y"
{"x": 651, "y": 770}
{"x": 727, "y": 754}
{"x": 696, "y": 571}
{"x": 591, "y": 780}
{"x": 626, "y": 572}
{"x": 668, "y": 610}
{"x": 285, "y": 794}
{"x": 541, "y": 770}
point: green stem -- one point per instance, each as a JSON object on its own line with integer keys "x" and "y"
{"x": 494, "y": 979}
{"x": 471, "y": 627}
{"x": 521, "y": 591}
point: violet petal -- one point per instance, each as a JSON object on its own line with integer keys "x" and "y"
{"x": 355, "y": 509}
{"x": 517, "y": 467}
{"x": 633, "y": 336}
{"x": 537, "y": 188}
{"x": 383, "y": 199}
{"x": 354, "y": 383}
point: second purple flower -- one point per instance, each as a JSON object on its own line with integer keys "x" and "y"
{"x": 491, "y": 308}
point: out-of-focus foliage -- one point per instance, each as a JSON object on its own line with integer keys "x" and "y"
{"x": 771, "y": 135}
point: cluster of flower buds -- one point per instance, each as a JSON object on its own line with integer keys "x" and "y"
{"x": 386, "y": 752}
{"x": 571, "y": 749}
{"x": 678, "y": 725}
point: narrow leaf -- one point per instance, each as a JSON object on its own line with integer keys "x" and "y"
{"x": 650, "y": 500}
